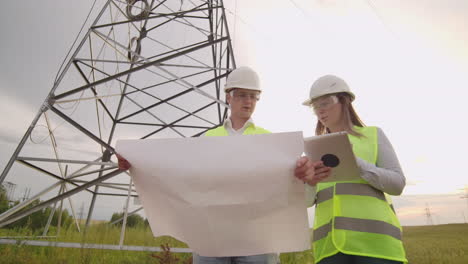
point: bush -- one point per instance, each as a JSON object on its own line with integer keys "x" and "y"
{"x": 134, "y": 220}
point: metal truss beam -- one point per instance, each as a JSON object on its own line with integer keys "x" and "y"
{"x": 88, "y": 246}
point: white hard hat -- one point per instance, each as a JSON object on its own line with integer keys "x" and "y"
{"x": 328, "y": 84}
{"x": 244, "y": 78}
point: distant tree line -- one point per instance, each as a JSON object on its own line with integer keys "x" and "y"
{"x": 134, "y": 220}
{"x": 36, "y": 220}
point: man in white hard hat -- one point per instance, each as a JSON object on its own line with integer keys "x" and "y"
{"x": 242, "y": 93}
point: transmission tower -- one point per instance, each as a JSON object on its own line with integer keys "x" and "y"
{"x": 81, "y": 212}
{"x": 143, "y": 69}
{"x": 428, "y": 215}
{"x": 465, "y": 196}
{"x": 10, "y": 190}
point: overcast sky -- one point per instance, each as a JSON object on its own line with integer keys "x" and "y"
{"x": 406, "y": 61}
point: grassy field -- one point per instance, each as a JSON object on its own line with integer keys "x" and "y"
{"x": 441, "y": 244}
{"x": 424, "y": 245}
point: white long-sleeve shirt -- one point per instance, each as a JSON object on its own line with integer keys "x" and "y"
{"x": 386, "y": 175}
{"x": 231, "y": 131}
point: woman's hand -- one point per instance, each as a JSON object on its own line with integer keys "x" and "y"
{"x": 311, "y": 172}
{"x": 123, "y": 163}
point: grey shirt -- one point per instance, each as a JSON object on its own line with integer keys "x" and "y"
{"x": 386, "y": 175}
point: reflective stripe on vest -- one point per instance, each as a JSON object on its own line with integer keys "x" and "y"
{"x": 349, "y": 188}
{"x": 359, "y": 225}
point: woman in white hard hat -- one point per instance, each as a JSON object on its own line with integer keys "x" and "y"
{"x": 354, "y": 220}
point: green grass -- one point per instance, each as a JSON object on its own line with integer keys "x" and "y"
{"x": 441, "y": 244}
{"x": 424, "y": 245}
{"x": 97, "y": 234}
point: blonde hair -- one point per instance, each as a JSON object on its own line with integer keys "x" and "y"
{"x": 349, "y": 115}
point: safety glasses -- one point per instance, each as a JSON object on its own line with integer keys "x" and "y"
{"x": 324, "y": 103}
{"x": 241, "y": 95}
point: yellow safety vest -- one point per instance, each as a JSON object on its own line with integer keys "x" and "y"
{"x": 353, "y": 217}
{"x": 250, "y": 130}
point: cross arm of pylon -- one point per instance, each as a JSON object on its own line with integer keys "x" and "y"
{"x": 145, "y": 65}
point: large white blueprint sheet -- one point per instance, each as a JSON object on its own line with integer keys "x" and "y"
{"x": 223, "y": 196}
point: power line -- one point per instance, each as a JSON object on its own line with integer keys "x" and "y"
{"x": 74, "y": 42}
{"x": 380, "y": 18}
{"x": 235, "y": 25}
{"x": 253, "y": 28}
{"x": 300, "y": 8}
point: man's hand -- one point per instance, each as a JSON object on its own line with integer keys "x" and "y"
{"x": 311, "y": 172}
{"x": 123, "y": 163}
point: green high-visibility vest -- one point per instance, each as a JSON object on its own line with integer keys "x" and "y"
{"x": 354, "y": 218}
{"x": 250, "y": 130}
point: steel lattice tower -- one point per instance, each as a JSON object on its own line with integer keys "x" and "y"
{"x": 144, "y": 69}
